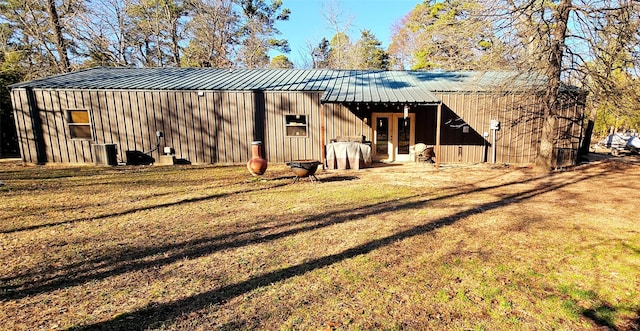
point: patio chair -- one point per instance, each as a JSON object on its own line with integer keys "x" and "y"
{"x": 424, "y": 153}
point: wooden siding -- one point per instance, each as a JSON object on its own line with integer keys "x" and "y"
{"x": 219, "y": 126}
{"x": 214, "y": 127}
{"x": 520, "y": 119}
{"x": 340, "y": 121}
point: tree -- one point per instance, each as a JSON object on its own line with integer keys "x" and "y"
{"x": 44, "y": 32}
{"x": 443, "y": 34}
{"x": 102, "y": 34}
{"x": 338, "y": 56}
{"x": 339, "y": 51}
{"x": 569, "y": 43}
{"x": 213, "y": 33}
{"x": 258, "y": 31}
{"x": 369, "y": 53}
{"x": 157, "y": 30}
{"x": 281, "y": 62}
{"x": 612, "y": 77}
{"x": 11, "y": 71}
{"x": 56, "y": 27}
{"x": 320, "y": 55}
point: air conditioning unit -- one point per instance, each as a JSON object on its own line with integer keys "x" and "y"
{"x": 105, "y": 154}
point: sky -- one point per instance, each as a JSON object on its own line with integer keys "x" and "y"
{"x": 306, "y": 25}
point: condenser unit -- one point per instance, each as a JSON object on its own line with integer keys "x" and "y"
{"x": 105, "y": 154}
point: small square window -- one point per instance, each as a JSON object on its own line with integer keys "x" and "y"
{"x": 296, "y": 125}
{"x": 79, "y": 124}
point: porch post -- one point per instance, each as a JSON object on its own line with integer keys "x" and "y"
{"x": 323, "y": 141}
{"x": 438, "y": 128}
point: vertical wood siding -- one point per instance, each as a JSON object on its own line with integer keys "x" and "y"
{"x": 279, "y": 147}
{"x": 516, "y": 141}
{"x": 219, "y": 126}
{"x": 23, "y": 125}
{"x": 216, "y": 127}
{"x": 520, "y": 126}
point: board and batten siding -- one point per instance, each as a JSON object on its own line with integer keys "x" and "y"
{"x": 205, "y": 127}
{"x": 190, "y": 124}
{"x": 280, "y": 148}
{"x": 219, "y": 126}
{"x": 520, "y": 127}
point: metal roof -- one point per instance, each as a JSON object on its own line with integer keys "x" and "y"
{"x": 339, "y": 86}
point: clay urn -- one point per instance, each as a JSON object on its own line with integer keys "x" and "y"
{"x": 257, "y": 165}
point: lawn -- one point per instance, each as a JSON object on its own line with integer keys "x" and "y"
{"x": 387, "y": 248}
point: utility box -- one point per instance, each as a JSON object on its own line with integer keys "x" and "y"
{"x": 105, "y": 154}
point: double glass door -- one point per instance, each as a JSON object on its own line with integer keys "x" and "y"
{"x": 393, "y": 136}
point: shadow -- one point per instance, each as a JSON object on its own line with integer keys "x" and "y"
{"x": 338, "y": 179}
{"x": 182, "y": 162}
{"x": 379, "y": 164}
{"x": 37, "y": 128}
{"x": 633, "y": 249}
{"x": 156, "y": 313}
{"x": 135, "y": 210}
{"x": 137, "y": 259}
{"x": 602, "y": 315}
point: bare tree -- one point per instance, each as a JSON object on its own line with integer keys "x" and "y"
{"x": 575, "y": 42}
{"x": 157, "y": 29}
{"x": 102, "y": 34}
{"x": 340, "y": 43}
{"x": 56, "y": 28}
{"x": 213, "y": 33}
{"x": 44, "y": 32}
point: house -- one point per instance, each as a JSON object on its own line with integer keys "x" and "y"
{"x": 206, "y": 115}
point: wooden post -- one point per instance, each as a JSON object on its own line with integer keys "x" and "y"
{"x": 438, "y": 128}
{"x": 322, "y": 136}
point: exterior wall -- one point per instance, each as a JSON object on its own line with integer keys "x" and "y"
{"x": 215, "y": 127}
{"x": 520, "y": 119}
{"x": 219, "y": 126}
{"x": 278, "y": 147}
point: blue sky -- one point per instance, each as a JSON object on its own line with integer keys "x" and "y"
{"x": 307, "y": 24}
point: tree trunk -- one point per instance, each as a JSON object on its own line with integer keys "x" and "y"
{"x": 175, "y": 43}
{"x": 546, "y": 148}
{"x": 64, "y": 64}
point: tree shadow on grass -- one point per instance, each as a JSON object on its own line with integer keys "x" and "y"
{"x": 138, "y": 259}
{"x": 135, "y": 210}
{"x": 127, "y": 260}
{"x": 612, "y": 317}
{"x": 160, "y": 313}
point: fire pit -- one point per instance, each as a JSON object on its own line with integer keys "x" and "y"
{"x": 304, "y": 168}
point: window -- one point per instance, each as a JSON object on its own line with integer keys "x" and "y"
{"x": 79, "y": 124}
{"x": 296, "y": 125}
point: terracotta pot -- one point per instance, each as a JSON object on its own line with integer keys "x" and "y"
{"x": 257, "y": 165}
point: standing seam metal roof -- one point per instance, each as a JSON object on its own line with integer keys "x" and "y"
{"x": 339, "y": 86}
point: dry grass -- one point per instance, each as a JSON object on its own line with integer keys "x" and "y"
{"x": 398, "y": 247}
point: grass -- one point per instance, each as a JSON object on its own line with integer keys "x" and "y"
{"x": 385, "y": 248}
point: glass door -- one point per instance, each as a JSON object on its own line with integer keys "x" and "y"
{"x": 403, "y": 139}
{"x": 393, "y": 136}
{"x": 382, "y": 136}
